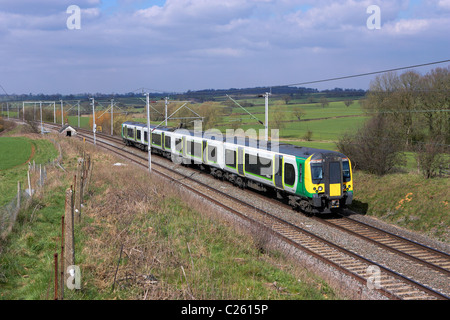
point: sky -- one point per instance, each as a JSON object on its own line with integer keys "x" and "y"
{"x": 119, "y": 46}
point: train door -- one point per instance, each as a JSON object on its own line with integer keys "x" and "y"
{"x": 240, "y": 161}
{"x": 205, "y": 151}
{"x": 279, "y": 171}
{"x": 333, "y": 177}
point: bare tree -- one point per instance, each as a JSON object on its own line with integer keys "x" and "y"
{"x": 287, "y": 98}
{"x": 324, "y": 102}
{"x": 277, "y": 118}
{"x": 210, "y": 112}
{"x": 348, "y": 102}
{"x": 374, "y": 148}
{"x": 430, "y": 156}
{"x": 434, "y": 100}
{"x": 299, "y": 113}
{"x": 397, "y": 97}
{"x": 29, "y": 119}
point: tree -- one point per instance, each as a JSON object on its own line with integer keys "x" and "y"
{"x": 103, "y": 121}
{"x": 397, "y": 97}
{"x": 210, "y": 111}
{"x": 375, "y": 147}
{"x": 287, "y": 98}
{"x": 29, "y": 119}
{"x": 434, "y": 100}
{"x": 348, "y": 102}
{"x": 308, "y": 135}
{"x": 324, "y": 102}
{"x": 58, "y": 116}
{"x": 277, "y": 118}
{"x": 430, "y": 156}
{"x": 299, "y": 113}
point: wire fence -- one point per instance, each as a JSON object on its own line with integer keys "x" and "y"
{"x": 36, "y": 177}
{"x": 9, "y": 212}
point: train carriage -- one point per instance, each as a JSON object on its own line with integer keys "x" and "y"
{"x": 312, "y": 180}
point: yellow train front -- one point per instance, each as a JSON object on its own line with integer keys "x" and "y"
{"x": 327, "y": 182}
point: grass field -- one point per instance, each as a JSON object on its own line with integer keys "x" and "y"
{"x": 312, "y": 110}
{"x": 84, "y": 121}
{"x": 322, "y": 130}
{"x": 15, "y": 152}
{"x": 327, "y": 124}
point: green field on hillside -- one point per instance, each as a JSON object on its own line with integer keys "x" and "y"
{"x": 84, "y": 122}
{"x": 15, "y": 152}
{"x": 326, "y": 124}
{"x": 312, "y": 110}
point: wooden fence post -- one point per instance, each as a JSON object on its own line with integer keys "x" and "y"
{"x": 78, "y": 193}
{"x": 56, "y": 276}
{"x": 29, "y": 183}
{"x": 69, "y": 255}
{"x": 87, "y": 180}
{"x": 62, "y": 259}
{"x": 18, "y": 194}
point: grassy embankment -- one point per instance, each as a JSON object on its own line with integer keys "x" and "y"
{"x": 173, "y": 248}
{"x": 407, "y": 200}
{"x": 15, "y": 152}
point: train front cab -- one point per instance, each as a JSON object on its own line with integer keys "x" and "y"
{"x": 328, "y": 182}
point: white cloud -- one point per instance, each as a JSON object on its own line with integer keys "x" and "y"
{"x": 219, "y": 52}
{"x": 445, "y": 4}
{"x": 408, "y": 27}
{"x": 176, "y": 12}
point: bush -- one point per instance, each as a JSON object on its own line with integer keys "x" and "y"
{"x": 376, "y": 148}
{"x": 308, "y": 135}
{"x": 430, "y": 156}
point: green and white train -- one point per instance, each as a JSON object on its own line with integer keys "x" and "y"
{"x": 312, "y": 180}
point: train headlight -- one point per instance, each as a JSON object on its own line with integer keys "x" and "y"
{"x": 320, "y": 188}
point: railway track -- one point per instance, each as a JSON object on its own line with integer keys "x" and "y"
{"x": 419, "y": 253}
{"x": 389, "y": 283}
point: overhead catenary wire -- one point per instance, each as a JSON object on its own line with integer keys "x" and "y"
{"x": 362, "y": 74}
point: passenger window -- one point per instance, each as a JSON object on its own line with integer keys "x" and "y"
{"x": 156, "y": 139}
{"x": 167, "y": 142}
{"x": 289, "y": 174}
{"x": 212, "y": 155}
{"x": 230, "y": 158}
{"x": 179, "y": 145}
